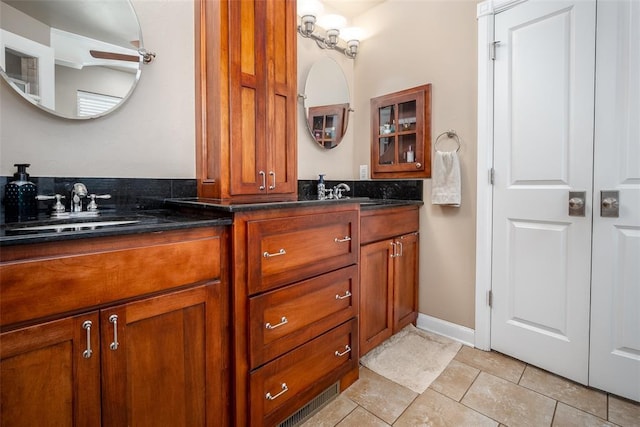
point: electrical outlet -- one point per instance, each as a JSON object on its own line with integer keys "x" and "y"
{"x": 364, "y": 172}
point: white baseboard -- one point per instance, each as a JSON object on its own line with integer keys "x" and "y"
{"x": 454, "y": 331}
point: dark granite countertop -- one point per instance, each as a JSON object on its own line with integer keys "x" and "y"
{"x": 131, "y": 222}
{"x": 201, "y": 212}
{"x": 231, "y": 206}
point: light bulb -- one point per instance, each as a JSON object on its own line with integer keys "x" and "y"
{"x": 310, "y": 7}
{"x": 332, "y": 22}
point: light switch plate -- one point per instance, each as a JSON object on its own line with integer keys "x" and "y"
{"x": 364, "y": 172}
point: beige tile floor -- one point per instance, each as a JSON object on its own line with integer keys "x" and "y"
{"x": 477, "y": 388}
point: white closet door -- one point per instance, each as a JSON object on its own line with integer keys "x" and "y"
{"x": 543, "y": 149}
{"x": 615, "y": 295}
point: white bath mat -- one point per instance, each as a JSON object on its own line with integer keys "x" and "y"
{"x": 412, "y": 357}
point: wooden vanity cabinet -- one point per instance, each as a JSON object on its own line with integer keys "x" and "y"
{"x": 295, "y": 305}
{"x": 401, "y": 134}
{"x": 388, "y": 273}
{"x": 155, "y": 358}
{"x": 246, "y": 99}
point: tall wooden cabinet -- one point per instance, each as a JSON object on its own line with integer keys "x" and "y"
{"x": 246, "y": 77}
{"x": 388, "y": 273}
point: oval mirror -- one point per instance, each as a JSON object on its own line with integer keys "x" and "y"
{"x": 76, "y": 59}
{"x": 326, "y": 103}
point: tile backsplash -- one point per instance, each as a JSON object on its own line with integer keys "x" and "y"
{"x": 131, "y": 193}
{"x": 148, "y": 193}
{"x": 378, "y": 189}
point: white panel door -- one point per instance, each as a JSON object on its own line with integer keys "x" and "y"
{"x": 615, "y": 294}
{"x": 543, "y": 148}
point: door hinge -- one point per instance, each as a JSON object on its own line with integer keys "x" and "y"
{"x": 490, "y": 298}
{"x": 492, "y": 49}
{"x": 492, "y": 176}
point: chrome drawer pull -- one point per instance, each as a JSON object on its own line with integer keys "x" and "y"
{"x": 264, "y": 180}
{"x": 268, "y": 396}
{"x": 347, "y": 349}
{"x": 344, "y": 239}
{"x": 114, "y": 319}
{"x": 283, "y": 321}
{"x": 268, "y": 255}
{"x": 395, "y": 252}
{"x": 87, "y": 325}
{"x": 346, "y": 295}
{"x": 273, "y": 177}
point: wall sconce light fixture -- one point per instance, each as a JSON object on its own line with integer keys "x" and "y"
{"x": 309, "y": 12}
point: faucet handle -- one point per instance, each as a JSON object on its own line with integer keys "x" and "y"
{"x": 58, "y": 207}
{"x": 93, "y": 206}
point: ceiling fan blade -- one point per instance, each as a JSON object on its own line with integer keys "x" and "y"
{"x": 112, "y": 55}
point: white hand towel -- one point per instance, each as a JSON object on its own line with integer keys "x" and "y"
{"x": 445, "y": 179}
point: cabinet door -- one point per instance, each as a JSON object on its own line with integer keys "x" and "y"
{"x": 247, "y": 84}
{"x": 401, "y": 134}
{"x": 163, "y": 360}
{"x": 50, "y": 373}
{"x": 376, "y": 294}
{"x": 262, "y": 97}
{"x": 282, "y": 83}
{"x": 405, "y": 282}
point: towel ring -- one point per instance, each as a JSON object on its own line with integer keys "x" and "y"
{"x": 450, "y": 134}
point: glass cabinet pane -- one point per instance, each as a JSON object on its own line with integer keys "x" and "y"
{"x": 407, "y": 148}
{"x": 387, "y": 151}
{"x": 386, "y": 119}
{"x": 407, "y": 116}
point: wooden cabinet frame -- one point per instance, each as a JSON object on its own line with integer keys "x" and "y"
{"x": 246, "y": 99}
{"x": 392, "y": 135}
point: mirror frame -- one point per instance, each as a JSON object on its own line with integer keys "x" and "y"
{"x": 36, "y": 50}
{"x": 326, "y": 103}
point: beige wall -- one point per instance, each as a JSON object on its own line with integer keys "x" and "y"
{"x": 151, "y": 135}
{"x": 420, "y": 42}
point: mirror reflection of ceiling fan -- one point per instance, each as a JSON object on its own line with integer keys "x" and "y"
{"x": 100, "y": 54}
{"x": 146, "y": 55}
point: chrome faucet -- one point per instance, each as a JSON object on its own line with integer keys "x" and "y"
{"x": 338, "y": 189}
{"x": 77, "y": 193}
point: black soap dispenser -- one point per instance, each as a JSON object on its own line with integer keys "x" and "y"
{"x": 20, "y": 202}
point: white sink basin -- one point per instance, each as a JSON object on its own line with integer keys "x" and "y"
{"x": 89, "y": 225}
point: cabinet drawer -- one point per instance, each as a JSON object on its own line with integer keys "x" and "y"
{"x": 93, "y": 275}
{"x": 290, "y": 316}
{"x": 289, "y": 249}
{"x": 383, "y": 224}
{"x": 282, "y": 386}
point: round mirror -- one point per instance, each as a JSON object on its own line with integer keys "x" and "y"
{"x": 326, "y": 103}
{"x": 76, "y": 59}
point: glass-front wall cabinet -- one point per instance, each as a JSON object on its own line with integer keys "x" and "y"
{"x": 401, "y": 134}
